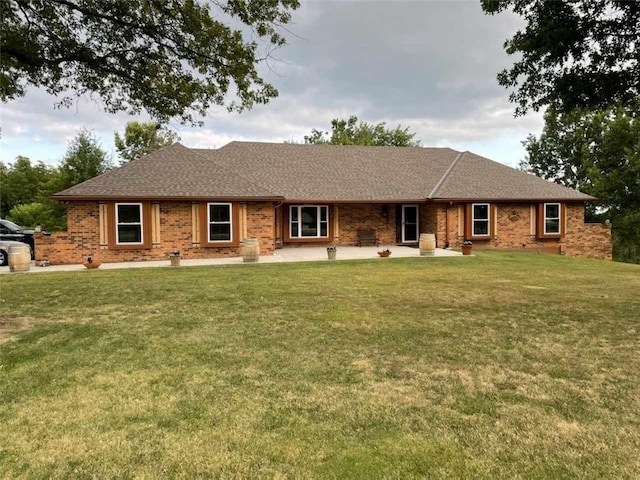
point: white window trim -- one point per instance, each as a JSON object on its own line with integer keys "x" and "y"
{"x": 209, "y": 222}
{"x": 141, "y": 223}
{"x": 319, "y": 222}
{"x": 473, "y": 220}
{"x": 559, "y": 218}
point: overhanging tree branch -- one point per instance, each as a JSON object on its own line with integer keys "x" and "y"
{"x": 579, "y": 54}
{"x": 179, "y": 47}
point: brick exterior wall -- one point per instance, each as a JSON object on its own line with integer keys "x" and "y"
{"x": 514, "y": 230}
{"x": 592, "y": 240}
{"x": 354, "y": 217}
{"x": 82, "y": 238}
{"x": 261, "y": 225}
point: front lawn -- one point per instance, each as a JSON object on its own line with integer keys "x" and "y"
{"x": 502, "y": 365}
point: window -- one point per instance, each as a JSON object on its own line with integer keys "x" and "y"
{"x": 309, "y": 221}
{"x": 129, "y": 229}
{"x": 552, "y": 219}
{"x": 480, "y": 219}
{"x": 219, "y": 222}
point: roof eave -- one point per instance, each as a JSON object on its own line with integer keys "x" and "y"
{"x": 513, "y": 200}
{"x": 139, "y": 198}
{"x": 354, "y": 201}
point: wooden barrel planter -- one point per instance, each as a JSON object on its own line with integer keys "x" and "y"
{"x": 250, "y": 250}
{"x": 427, "y": 244}
{"x": 19, "y": 258}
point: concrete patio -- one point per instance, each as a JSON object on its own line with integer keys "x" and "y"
{"x": 306, "y": 254}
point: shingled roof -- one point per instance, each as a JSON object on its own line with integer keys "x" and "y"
{"x": 318, "y": 173}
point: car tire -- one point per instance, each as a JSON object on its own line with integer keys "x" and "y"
{"x": 4, "y": 258}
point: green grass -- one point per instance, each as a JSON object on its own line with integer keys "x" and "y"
{"x": 503, "y": 365}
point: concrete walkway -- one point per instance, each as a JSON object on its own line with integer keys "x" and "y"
{"x": 305, "y": 254}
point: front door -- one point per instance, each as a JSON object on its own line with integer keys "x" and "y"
{"x": 410, "y": 223}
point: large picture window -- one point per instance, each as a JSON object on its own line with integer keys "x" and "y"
{"x": 480, "y": 219}
{"x": 129, "y": 228}
{"x": 309, "y": 221}
{"x": 551, "y": 218}
{"x": 219, "y": 220}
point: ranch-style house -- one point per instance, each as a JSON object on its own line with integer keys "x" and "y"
{"x": 203, "y": 202}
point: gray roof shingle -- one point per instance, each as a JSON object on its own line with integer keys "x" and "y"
{"x": 319, "y": 173}
{"x": 173, "y": 172}
{"x": 339, "y": 172}
{"x": 474, "y": 177}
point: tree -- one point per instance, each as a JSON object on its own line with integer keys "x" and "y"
{"x": 172, "y": 58}
{"x": 141, "y": 139}
{"x": 25, "y": 189}
{"x": 578, "y": 54}
{"x": 49, "y": 215}
{"x": 598, "y": 153}
{"x": 24, "y": 194}
{"x": 22, "y": 183}
{"x": 350, "y": 132}
{"x": 83, "y": 160}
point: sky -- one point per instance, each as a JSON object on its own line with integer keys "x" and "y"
{"x": 427, "y": 65}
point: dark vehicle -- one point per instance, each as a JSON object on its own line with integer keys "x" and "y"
{"x": 11, "y": 231}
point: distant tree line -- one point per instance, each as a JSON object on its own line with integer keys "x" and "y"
{"x": 578, "y": 61}
{"x": 596, "y": 152}
{"x": 353, "y": 132}
{"x": 26, "y": 187}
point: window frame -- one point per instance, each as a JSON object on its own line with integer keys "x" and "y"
{"x": 111, "y": 233}
{"x": 546, "y": 218}
{"x": 486, "y": 220}
{"x": 541, "y": 224}
{"x": 319, "y": 222}
{"x": 203, "y": 216}
{"x": 470, "y": 219}
{"x": 141, "y": 225}
{"x": 209, "y": 223}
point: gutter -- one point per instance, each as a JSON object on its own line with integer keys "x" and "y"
{"x": 510, "y": 200}
{"x": 156, "y": 198}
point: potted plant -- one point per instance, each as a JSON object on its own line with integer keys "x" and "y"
{"x": 91, "y": 263}
{"x": 331, "y": 252}
{"x": 174, "y": 257}
{"x": 384, "y": 253}
{"x": 467, "y": 245}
